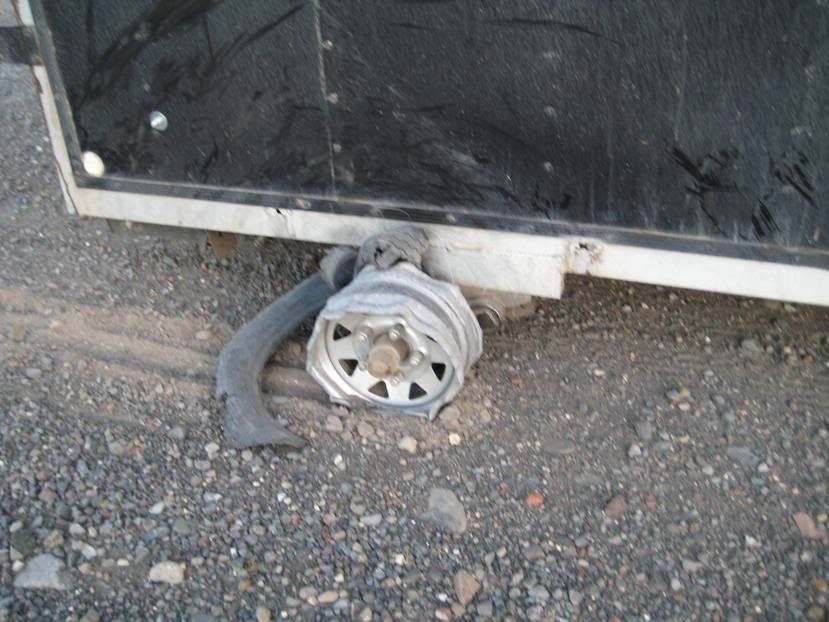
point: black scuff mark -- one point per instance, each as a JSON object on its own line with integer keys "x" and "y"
{"x": 409, "y": 26}
{"x": 225, "y": 55}
{"x": 550, "y": 207}
{"x": 205, "y": 22}
{"x": 508, "y": 136}
{"x": 762, "y": 220}
{"x": 522, "y": 22}
{"x": 707, "y": 175}
{"x": 167, "y": 17}
{"x": 433, "y": 109}
{"x": 209, "y": 161}
{"x": 793, "y": 174}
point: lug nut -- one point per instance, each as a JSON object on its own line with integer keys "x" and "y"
{"x": 394, "y": 381}
{"x": 415, "y": 359}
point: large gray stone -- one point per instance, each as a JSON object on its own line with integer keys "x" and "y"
{"x": 44, "y": 572}
{"x": 446, "y": 510}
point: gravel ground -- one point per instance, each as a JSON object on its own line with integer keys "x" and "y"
{"x": 628, "y": 453}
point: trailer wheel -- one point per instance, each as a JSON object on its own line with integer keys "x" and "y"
{"x": 397, "y": 339}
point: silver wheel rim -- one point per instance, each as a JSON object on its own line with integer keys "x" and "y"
{"x": 424, "y": 374}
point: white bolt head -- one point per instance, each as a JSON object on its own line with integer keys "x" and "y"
{"x": 93, "y": 164}
{"x": 158, "y": 121}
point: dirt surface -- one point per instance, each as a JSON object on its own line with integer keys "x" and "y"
{"x": 627, "y": 453}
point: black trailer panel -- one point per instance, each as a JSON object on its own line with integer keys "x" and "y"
{"x": 692, "y": 125}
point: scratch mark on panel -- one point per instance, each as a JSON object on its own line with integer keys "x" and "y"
{"x": 90, "y": 32}
{"x": 519, "y": 22}
{"x": 165, "y": 18}
{"x": 683, "y": 83}
{"x": 611, "y": 167}
{"x": 324, "y": 93}
{"x": 408, "y": 26}
{"x": 244, "y": 40}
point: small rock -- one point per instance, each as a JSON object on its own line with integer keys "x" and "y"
{"x": 167, "y": 572}
{"x": 23, "y": 539}
{"x": 308, "y": 592}
{"x": 211, "y": 448}
{"x": 466, "y": 586}
{"x": 560, "y": 447}
{"x": 157, "y": 509}
{"x": 43, "y": 572}
{"x": 681, "y": 394}
{"x": 407, "y": 444}
{"x": 534, "y": 500}
{"x": 87, "y": 550}
{"x": 816, "y": 613}
{"x": 177, "y": 433}
{"x": 450, "y": 415}
{"x": 263, "y": 614}
{"x": 454, "y": 439}
{"x": 634, "y": 451}
{"x": 333, "y": 424}
{"x": 446, "y": 511}
{"x": 616, "y": 507}
{"x": 534, "y": 552}
{"x": 575, "y": 597}
{"x": 181, "y": 526}
{"x": 91, "y": 616}
{"x": 751, "y": 346}
{"x": 371, "y": 520}
{"x": 117, "y": 448}
{"x": 55, "y": 538}
{"x": 76, "y": 530}
{"x": 743, "y": 455}
{"x": 328, "y": 597}
{"x": 676, "y": 584}
{"x": 365, "y": 430}
{"x": 538, "y": 594}
{"x": 33, "y": 373}
{"x": 690, "y": 565}
{"x": 807, "y": 526}
{"x": 644, "y": 430}
{"x": 204, "y": 335}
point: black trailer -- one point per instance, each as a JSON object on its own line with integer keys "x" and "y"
{"x": 677, "y": 143}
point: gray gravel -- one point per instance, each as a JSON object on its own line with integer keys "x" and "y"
{"x": 628, "y": 451}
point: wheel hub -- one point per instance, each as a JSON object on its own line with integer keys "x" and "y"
{"x": 386, "y": 355}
